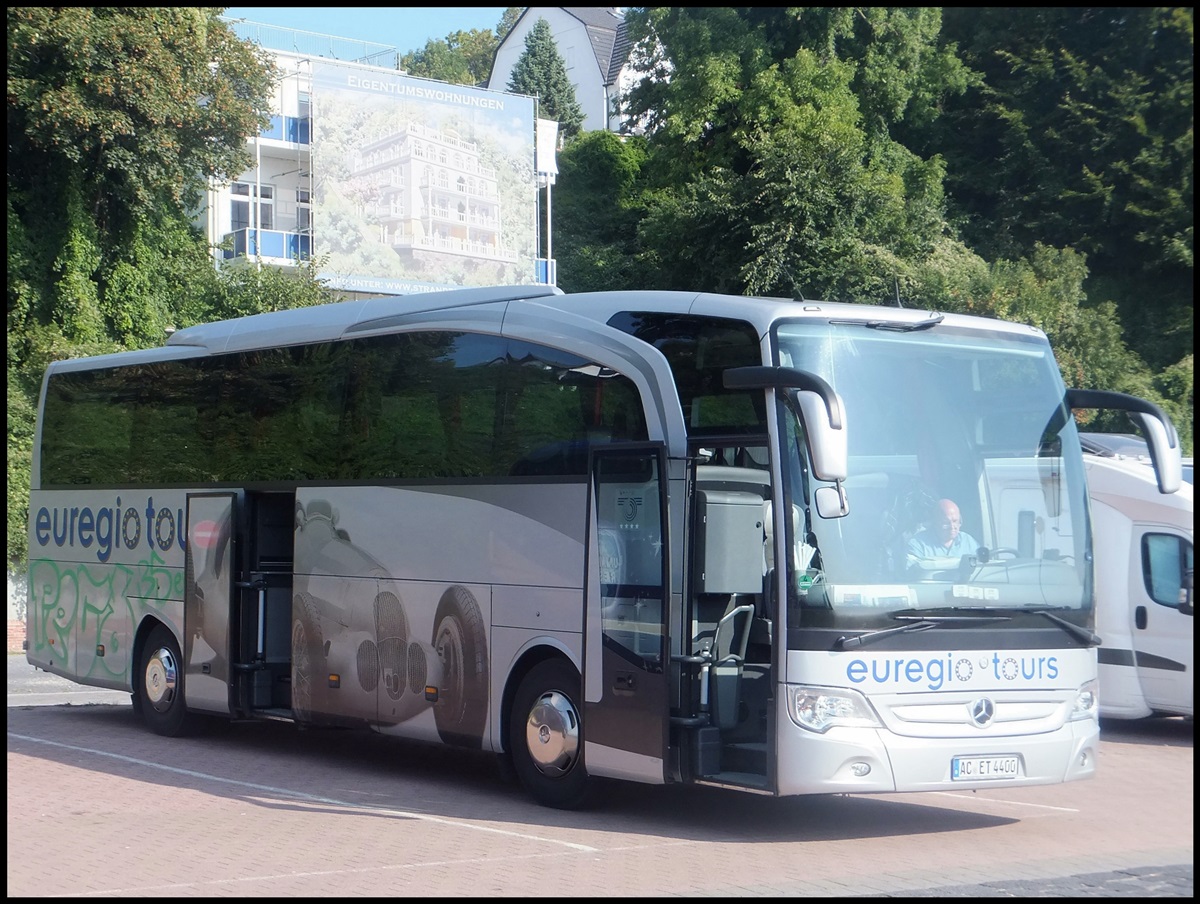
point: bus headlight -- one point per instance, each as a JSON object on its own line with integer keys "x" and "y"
{"x": 822, "y": 708}
{"x": 1086, "y": 702}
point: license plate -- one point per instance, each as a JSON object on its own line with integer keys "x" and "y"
{"x": 982, "y": 768}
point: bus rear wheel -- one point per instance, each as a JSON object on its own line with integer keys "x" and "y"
{"x": 160, "y": 686}
{"x": 545, "y": 738}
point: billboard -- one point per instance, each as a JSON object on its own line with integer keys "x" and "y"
{"x": 419, "y": 185}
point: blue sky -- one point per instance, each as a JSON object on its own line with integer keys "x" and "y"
{"x": 405, "y": 28}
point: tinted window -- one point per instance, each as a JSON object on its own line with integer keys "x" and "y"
{"x": 401, "y": 406}
{"x": 700, "y": 350}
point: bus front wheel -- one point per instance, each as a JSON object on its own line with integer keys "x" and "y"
{"x": 160, "y": 685}
{"x": 545, "y": 739}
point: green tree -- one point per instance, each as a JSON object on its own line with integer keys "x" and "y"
{"x": 507, "y": 20}
{"x": 1081, "y": 134}
{"x": 131, "y": 101}
{"x": 782, "y": 159}
{"x": 541, "y": 73}
{"x": 771, "y": 157}
{"x": 598, "y": 204}
{"x": 117, "y": 120}
{"x": 462, "y": 58}
{"x": 242, "y": 288}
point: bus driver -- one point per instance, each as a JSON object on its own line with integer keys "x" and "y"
{"x": 943, "y": 543}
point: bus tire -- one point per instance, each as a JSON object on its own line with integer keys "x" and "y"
{"x": 460, "y": 639}
{"x": 308, "y": 655}
{"x": 160, "y": 689}
{"x": 545, "y": 738}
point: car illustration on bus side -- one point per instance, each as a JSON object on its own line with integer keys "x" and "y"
{"x": 331, "y": 637}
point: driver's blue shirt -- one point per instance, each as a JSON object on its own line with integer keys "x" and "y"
{"x": 926, "y": 550}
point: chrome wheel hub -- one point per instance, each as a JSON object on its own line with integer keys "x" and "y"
{"x": 552, "y": 734}
{"x": 162, "y": 679}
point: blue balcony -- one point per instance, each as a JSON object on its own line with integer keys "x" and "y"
{"x": 288, "y": 128}
{"x": 269, "y": 243}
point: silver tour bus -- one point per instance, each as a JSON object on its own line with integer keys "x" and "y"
{"x": 665, "y": 537}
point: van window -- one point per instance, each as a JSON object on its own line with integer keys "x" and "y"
{"x": 1165, "y": 559}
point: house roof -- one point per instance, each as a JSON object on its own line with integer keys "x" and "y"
{"x": 604, "y": 27}
{"x": 607, "y": 33}
{"x": 620, "y": 54}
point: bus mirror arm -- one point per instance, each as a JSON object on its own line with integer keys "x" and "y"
{"x": 1162, "y": 440}
{"x": 763, "y": 377}
{"x": 818, "y": 405}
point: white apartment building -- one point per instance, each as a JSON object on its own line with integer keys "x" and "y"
{"x": 390, "y": 182}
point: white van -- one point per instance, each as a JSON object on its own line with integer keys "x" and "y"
{"x": 1143, "y": 544}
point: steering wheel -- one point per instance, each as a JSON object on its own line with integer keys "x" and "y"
{"x": 1006, "y": 551}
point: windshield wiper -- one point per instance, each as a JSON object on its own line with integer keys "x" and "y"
{"x": 923, "y": 623}
{"x": 894, "y": 325}
{"x": 1089, "y": 639}
{"x": 1073, "y": 629}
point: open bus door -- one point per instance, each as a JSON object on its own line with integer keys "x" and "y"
{"x": 208, "y": 599}
{"x": 626, "y": 697}
{"x": 238, "y": 602}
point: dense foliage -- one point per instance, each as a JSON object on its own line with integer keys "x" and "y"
{"x": 1032, "y": 163}
{"x": 117, "y": 120}
{"x": 462, "y": 57}
{"x": 846, "y": 153}
{"x": 1079, "y": 133}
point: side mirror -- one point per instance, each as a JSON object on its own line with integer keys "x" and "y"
{"x": 826, "y": 435}
{"x": 1164, "y": 455}
{"x": 831, "y": 502}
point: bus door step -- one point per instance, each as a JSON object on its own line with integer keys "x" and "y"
{"x": 746, "y": 757}
{"x": 260, "y": 688}
{"x": 275, "y": 714}
{"x": 706, "y": 750}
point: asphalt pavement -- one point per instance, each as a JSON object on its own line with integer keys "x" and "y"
{"x": 1146, "y": 882}
{"x": 32, "y": 687}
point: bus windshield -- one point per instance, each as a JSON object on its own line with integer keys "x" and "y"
{"x": 963, "y": 488}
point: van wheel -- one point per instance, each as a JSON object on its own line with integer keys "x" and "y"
{"x": 461, "y": 643}
{"x": 308, "y": 655}
{"x": 160, "y": 686}
{"x": 545, "y": 737}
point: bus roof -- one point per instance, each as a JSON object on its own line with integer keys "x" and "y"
{"x": 761, "y": 312}
{"x": 326, "y": 322}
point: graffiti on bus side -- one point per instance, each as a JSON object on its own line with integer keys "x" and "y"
{"x": 78, "y": 607}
